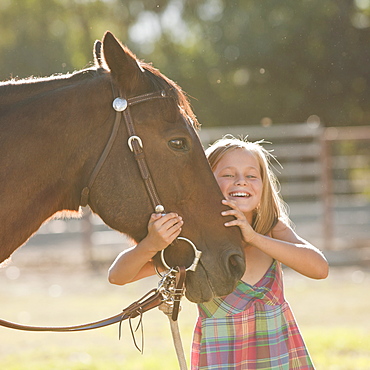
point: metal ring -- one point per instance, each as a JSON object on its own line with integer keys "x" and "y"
{"x": 134, "y": 137}
{"x": 197, "y": 255}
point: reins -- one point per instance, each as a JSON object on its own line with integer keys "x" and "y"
{"x": 167, "y": 297}
{"x": 150, "y": 300}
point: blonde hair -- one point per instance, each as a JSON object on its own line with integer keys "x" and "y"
{"x": 272, "y": 207}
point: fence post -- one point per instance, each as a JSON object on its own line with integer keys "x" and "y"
{"x": 327, "y": 190}
{"x": 87, "y": 230}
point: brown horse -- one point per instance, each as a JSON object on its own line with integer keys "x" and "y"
{"x": 53, "y": 132}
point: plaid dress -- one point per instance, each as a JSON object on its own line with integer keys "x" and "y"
{"x": 251, "y": 328}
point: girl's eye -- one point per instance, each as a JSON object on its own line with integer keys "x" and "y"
{"x": 178, "y": 144}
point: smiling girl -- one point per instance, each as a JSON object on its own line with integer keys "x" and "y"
{"x": 254, "y": 327}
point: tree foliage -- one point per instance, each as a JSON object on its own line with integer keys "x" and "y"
{"x": 244, "y": 61}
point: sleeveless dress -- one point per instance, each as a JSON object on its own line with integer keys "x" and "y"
{"x": 251, "y": 328}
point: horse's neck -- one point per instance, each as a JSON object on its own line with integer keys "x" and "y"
{"x": 43, "y": 149}
{"x": 14, "y": 91}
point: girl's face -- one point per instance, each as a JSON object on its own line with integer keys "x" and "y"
{"x": 239, "y": 177}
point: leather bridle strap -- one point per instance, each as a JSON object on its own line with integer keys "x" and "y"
{"x": 121, "y": 106}
{"x": 136, "y": 147}
{"x": 86, "y": 190}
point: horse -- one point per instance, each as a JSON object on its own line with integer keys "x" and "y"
{"x": 60, "y": 138}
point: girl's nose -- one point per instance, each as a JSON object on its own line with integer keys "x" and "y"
{"x": 241, "y": 180}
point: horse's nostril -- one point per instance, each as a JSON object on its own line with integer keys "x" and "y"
{"x": 236, "y": 265}
{"x": 232, "y": 261}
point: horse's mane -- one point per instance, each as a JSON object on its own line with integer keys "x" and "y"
{"x": 15, "y": 90}
{"x": 161, "y": 82}
{"x": 71, "y": 77}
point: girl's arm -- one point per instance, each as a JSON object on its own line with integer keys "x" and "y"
{"x": 284, "y": 245}
{"x": 288, "y": 248}
{"x": 135, "y": 263}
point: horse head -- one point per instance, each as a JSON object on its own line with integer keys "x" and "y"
{"x": 61, "y": 137}
{"x": 179, "y": 169}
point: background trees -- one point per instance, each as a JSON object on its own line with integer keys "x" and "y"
{"x": 244, "y": 61}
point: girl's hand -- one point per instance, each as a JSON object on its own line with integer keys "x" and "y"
{"x": 248, "y": 233}
{"x": 163, "y": 230}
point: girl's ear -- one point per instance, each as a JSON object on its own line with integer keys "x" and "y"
{"x": 122, "y": 63}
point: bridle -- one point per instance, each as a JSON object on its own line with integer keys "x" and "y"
{"x": 122, "y": 108}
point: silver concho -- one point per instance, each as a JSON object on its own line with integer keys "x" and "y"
{"x": 159, "y": 208}
{"x": 119, "y": 104}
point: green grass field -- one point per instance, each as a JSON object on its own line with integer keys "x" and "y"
{"x": 334, "y": 317}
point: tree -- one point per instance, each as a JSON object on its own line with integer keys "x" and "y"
{"x": 283, "y": 60}
{"x": 242, "y": 60}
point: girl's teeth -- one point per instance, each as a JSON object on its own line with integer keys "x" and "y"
{"x": 240, "y": 195}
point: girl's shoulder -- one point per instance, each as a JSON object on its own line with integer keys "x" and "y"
{"x": 283, "y": 231}
{"x": 280, "y": 225}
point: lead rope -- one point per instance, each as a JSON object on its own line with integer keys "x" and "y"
{"x": 171, "y": 308}
{"x": 172, "y": 287}
{"x": 176, "y": 337}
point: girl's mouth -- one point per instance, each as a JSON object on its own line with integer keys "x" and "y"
{"x": 239, "y": 194}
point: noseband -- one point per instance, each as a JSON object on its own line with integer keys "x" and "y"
{"x": 122, "y": 108}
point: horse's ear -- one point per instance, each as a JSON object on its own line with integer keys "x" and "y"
{"x": 121, "y": 62}
{"x": 97, "y": 54}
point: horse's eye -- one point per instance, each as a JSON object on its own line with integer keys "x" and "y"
{"x": 178, "y": 144}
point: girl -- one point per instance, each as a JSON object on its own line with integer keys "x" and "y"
{"x": 253, "y": 327}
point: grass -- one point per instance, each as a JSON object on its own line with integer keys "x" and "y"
{"x": 333, "y": 316}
